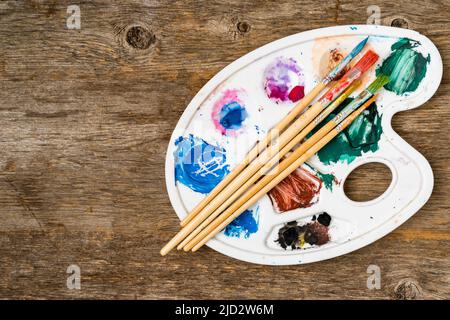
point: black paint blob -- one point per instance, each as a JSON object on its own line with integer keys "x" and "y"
{"x": 324, "y": 219}
{"x": 314, "y": 233}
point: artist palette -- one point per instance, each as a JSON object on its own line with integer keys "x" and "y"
{"x": 307, "y": 217}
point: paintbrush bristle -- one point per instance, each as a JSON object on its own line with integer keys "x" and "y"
{"x": 379, "y": 82}
{"x": 359, "y": 47}
{"x": 344, "y": 62}
{"x": 369, "y": 58}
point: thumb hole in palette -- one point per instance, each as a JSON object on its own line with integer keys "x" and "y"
{"x": 367, "y": 182}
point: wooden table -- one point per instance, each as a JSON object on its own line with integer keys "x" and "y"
{"x": 85, "y": 118}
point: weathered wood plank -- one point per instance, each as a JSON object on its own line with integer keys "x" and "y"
{"x": 85, "y": 119}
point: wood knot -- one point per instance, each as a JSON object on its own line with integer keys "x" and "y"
{"x": 399, "y": 23}
{"x": 243, "y": 27}
{"x": 140, "y": 38}
{"x": 407, "y": 289}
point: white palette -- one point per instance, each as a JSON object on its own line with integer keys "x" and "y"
{"x": 354, "y": 224}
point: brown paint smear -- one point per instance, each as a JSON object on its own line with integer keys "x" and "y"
{"x": 334, "y": 58}
{"x": 298, "y": 190}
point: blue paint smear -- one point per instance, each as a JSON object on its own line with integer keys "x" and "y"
{"x": 199, "y": 165}
{"x": 243, "y": 226}
{"x": 232, "y": 115}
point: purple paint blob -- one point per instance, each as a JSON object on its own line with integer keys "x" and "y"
{"x": 229, "y": 113}
{"x": 284, "y": 80}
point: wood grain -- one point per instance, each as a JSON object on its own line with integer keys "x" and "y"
{"x": 85, "y": 118}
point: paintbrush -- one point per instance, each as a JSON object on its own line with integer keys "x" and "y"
{"x": 292, "y": 162}
{"x": 261, "y": 145}
{"x": 353, "y": 74}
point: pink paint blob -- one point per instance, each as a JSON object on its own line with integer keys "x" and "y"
{"x": 284, "y": 80}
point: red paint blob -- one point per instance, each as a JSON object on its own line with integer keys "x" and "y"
{"x": 297, "y": 93}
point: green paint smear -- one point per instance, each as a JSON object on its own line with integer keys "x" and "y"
{"x": 405, "y": 67}
{"x": 328, "y": 179}
{"x": 361, "y": 136}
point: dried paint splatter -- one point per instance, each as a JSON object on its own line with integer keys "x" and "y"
{"x": 313, "y": 233}
{"x": 284, "y": 80}
{"x": 244, "y": 225}
{"x": 229, "y": 113}
{"x": 298, "y": 190}
{"x": 405, "y": 67}
{"x": 334, "y": 58}
{"x": 199, "y": 165}
{"x": 360, "y": 137}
